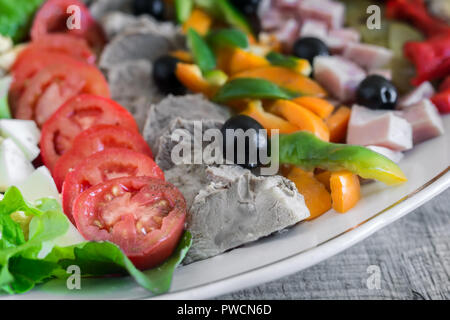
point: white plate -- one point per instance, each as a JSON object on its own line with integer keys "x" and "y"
{"x": 427, "y": 167}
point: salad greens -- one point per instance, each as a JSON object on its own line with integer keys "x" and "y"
{"x": 16, "y": 16}
{"x": 25, "y": 230}
{"x": 228, "y": 38}
{"x": 203, "y": 56}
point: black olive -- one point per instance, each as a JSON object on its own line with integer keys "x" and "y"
{"x": 247, "y": 7}
{"x": 309, "y": 47}
{"x": 255, "y": 142}
{"x": 164, "y": 76}
{"x": 376, "y": 92}
{"x": 155, "y": 8}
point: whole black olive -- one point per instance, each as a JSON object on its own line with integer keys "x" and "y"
{"x": 244, "y": 143}
{"x": 309, "y": 47}
{"x": 155, "y": 8}
{"x": 164, "y": 76}
{"x": 247, "y": 7}
{"x": 376, "y": 92}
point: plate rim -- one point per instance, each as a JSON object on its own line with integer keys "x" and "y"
{"x": 309, "y": 257}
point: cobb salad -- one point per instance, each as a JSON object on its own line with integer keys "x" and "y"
{"x": 120, "y": 124}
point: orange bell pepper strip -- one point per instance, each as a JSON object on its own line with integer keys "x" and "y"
{"x": 191, "y": 77}
{"x": 182, "y": 55}
{"x": 319, "y": 106}
{"x": 301, "y": 117}
{"x": 285, "y": 78}
{"x": 317, "y": 198}
{"x": 324, "y": 178}
{"x": 267, "y": 120}
{"x": 338, "y": 124}
{"x": 242, "y": 60}
{"x": 199, "y": 20}
{"x": 345, "y": 190}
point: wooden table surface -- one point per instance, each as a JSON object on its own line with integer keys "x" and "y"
{"x": 412, "y": 255}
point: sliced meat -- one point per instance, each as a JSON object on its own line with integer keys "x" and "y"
{"x": 339, "y": 76}
{"x": 379, "y": 128}
{"x": 188, "y": 107}
{"x": 423, "y": 91}
{"x": 288, "y": 33}
{"x": 367, "y": 55}
{"x": 233, "y": 207}
{"x": 332, "y": 13}
{"x": 338, "y": 39}
{"x": 425, "y": 120}
{"x": 191, "y": 138}
{"x": 314, "y": 28}
{"x": 271, "y": 20}
{"x": 395, "y": 156}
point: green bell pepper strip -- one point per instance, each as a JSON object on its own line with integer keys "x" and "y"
{"x": 232, "y": 16}
{"x": 227, "y": 38}
{"x": 4, "y": 106}
{"x": 203, "y": 55}
{"x": 305, "y": 150}
{"x": 183, "y": 9}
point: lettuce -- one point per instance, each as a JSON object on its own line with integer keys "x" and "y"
{"x": 25, "y": 230}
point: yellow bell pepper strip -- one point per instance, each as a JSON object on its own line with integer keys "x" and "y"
{"x": 305, "y": 150}
{"x": 199, "y": 20}
{"x": 285, "y": 78}
{"x": 251, "y": 88}
{"x": 301, "y": 66}
{"x": 191, "y": 77}
{"x": 301, "y": 117}
{"x": 317, "y": 198}
{"x": 345, "y": 190}
{"x": 338, "y": 123}
{"x": 242, "y": 60}
{"x": 267, "y": 120}
{"x": 320, "y": 107}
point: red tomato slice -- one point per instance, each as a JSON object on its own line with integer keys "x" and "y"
{"x": 96, "y": 139}
{"x": 103, "y": 166}
{"x": 76, "y": 115}
{"x": 53, "y": 17}
{"x": 54, "y": 85}
{"x": 143, "y": 216}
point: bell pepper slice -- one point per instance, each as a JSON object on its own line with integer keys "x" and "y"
{"x": 231, "y": 38}
{"x": 338, "y": 124}
{"x": 182, "y": 55}
{"x": 199, "y": 20}
{"x": 301, "y": 117}
{"x": 285, "y": 78}
{"x": 320, "y": 107}
{"x": 305, "y": 150}
{"x": 317, "y": 198}
{"x": 442, "y": 101}
{"x": 345, "y": 190}
{"x": 203, "y": 56}
{"x": 324, "y": 178}
{"x": 301, "y": 66}
{"x": 242, "y": 60}
{"x": 183, "y": 9}
{"x": 267, "y": 120}
{"x": 191, "y": 77}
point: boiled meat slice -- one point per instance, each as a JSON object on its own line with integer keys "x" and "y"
{"x": 314, "y": 28}
{"x": 380, "y": 128}
{"x": 330, "y": 12}
{"x": 368, "y": 56}
{"x": 338, "y": 39}
{"x": 424, "y": 91}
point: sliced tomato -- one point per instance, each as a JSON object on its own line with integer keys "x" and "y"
{"x": 54, "y": 85}
{"x": 103, "y": 166}
{"x": 76, "y": 115}
{"x": 54, "y": 16}
{"x": 96, "y": 139}
{"x": 143, "y": 216}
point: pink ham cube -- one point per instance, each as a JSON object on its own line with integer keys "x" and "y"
{"x": 338, "y": 39}
{"x": 288, "y": 33}
{"x": 424, "y": 91}
{"x": 332, "y": 13}
{"x": 425, "y": 120}
{"x": 339, "y": 76}
{"x": 368, "y": 56}
{"x": 379, "y": 128}
{"x": 314, "y": 28}
{"x": 271, "y": 20}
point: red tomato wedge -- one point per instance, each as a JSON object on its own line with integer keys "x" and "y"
{"x": 143, "y": 216}
{"x": 103, "y": 166}
{"x": 76, "y": 115}
{"x": 54, "y": 85}
{"x": 56, "y": 16}
{"x": 96, "y": 139}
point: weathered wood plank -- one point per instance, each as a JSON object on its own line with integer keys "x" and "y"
{"x": 413, "y": 255}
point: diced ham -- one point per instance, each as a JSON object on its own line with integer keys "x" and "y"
{"x": 271, "y": 20}
{"x": 379, "y": 128}
{"x": 314, "y": 28}
{"x": 425, "y": 120}
{"x": 395, "y": 156}
{"x": 286, "y": 4}
{"x": 338, "y": 39}
{"x": 339, "y": 76}
{"x": 386, "y": 73}
{"x": 367, "y": 55}
{"x": 330, "y": 12}
{"x": 288, "y": 33}
{"x": 424, "y": 91}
